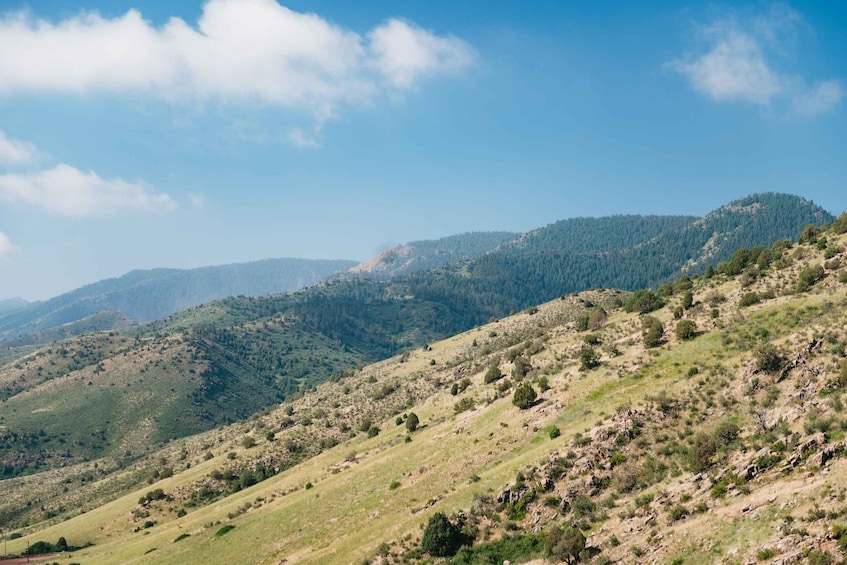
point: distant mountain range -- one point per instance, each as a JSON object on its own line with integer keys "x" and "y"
{"x": 147, "y": 295}
{"x": 11, "y": 304}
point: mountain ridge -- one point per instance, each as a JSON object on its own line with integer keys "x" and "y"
{"x": 721, "y": 443}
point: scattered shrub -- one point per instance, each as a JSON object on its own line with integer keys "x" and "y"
{"x": 224, "y": 530}
{"x": 524, "y": 396}
{"x": 686, "y": 329}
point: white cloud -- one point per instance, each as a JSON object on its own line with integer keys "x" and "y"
{"x": 404, "y": 52}
{"x": 6, "y": 247}
{"x": 66, "y": 191}
{"x": 14, "y": 152}
{"x": 240, "y": 50}
{"x": 820, "y": 99}
{"x": 733, "y": 69}
{"x": 738, "y": 66}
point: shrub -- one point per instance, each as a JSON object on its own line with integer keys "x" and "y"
{"x": 588, "y": 358}
{"x": 678, "y": 512}
{"x": 493, "y": 373}
{"x": 464, "y": 404}
{"x": 224, "y": 530}
{"x": 373, "y": 431}
{"x": 808, "y": 277}
{"x": 248, "y": 441}
{"x": 597, "y": 319}
{"x": 769, "y": 359}
{"x": 643, "y": 301}
{"x": 524, "y": 396}
{"x": 820, "y": 557}
{"x": 441, "y": 537}
{"x": 412, "y": 422}
{"x": 554, "y": 432}
{"x": 686, "y": 329}
{"x": 652, "y": 331}
{"x": 727, "y": 432}
{"x": 565, "y": 544}
{"x": 749, "y": 299}
{"x": 582, "y": 323}
{"x": 701, "y": 452}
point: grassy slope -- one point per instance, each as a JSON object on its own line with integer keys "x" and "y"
{"x": 351, "y": 510}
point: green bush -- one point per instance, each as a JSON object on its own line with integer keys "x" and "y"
{"x": 701, "y": 452}
{"x": 224, "y": 530}
{"x": 588, "y": 358}
{"x": 643, "y": 301}
{"x": 565, "y": 544}
{"x": 686, "y": 329}
{"x": 464, "y": 404}
{"x": 749, "y": 299}
{"x": 808, "y": 277}
{"x": 652, "y": 331}
{"x": 524, "y": 396}
{"x": 769, "y": 359}
{"x": 412, "y": 422}
{"x": 441, "y": 538}
{"x": 493, "y": 373}
{"x": 517, "y": 549}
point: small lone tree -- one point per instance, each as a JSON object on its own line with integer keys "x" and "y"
{"x": 493, "y": 373}
{"x": 412, "y": 422}
{"x": 652, "y": 332}
{"x": 525, "y": 395}
{"x": 598, "y": 318}
{"x": 685, "y": 330}
{"x": 441, "y": 538}
{"x": 566, "y": 544}
{"x": 588, "y": 358}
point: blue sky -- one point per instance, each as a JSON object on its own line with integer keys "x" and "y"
{"x": 187, "y": 133}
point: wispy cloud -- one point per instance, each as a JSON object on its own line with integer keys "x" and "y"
{"x": 6, "y": 247}
{"x": 66, "y": 191}
{"x": 738, "y": 65}
{"x": 14, "y": 152}
{"x": 197, "y": 200}
{"x": 240, "y": 50}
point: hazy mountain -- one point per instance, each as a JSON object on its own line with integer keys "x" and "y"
{"x": 147, "y": 295}
{"x": 429, "y": 254}
{"x": 11, "y": 304}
